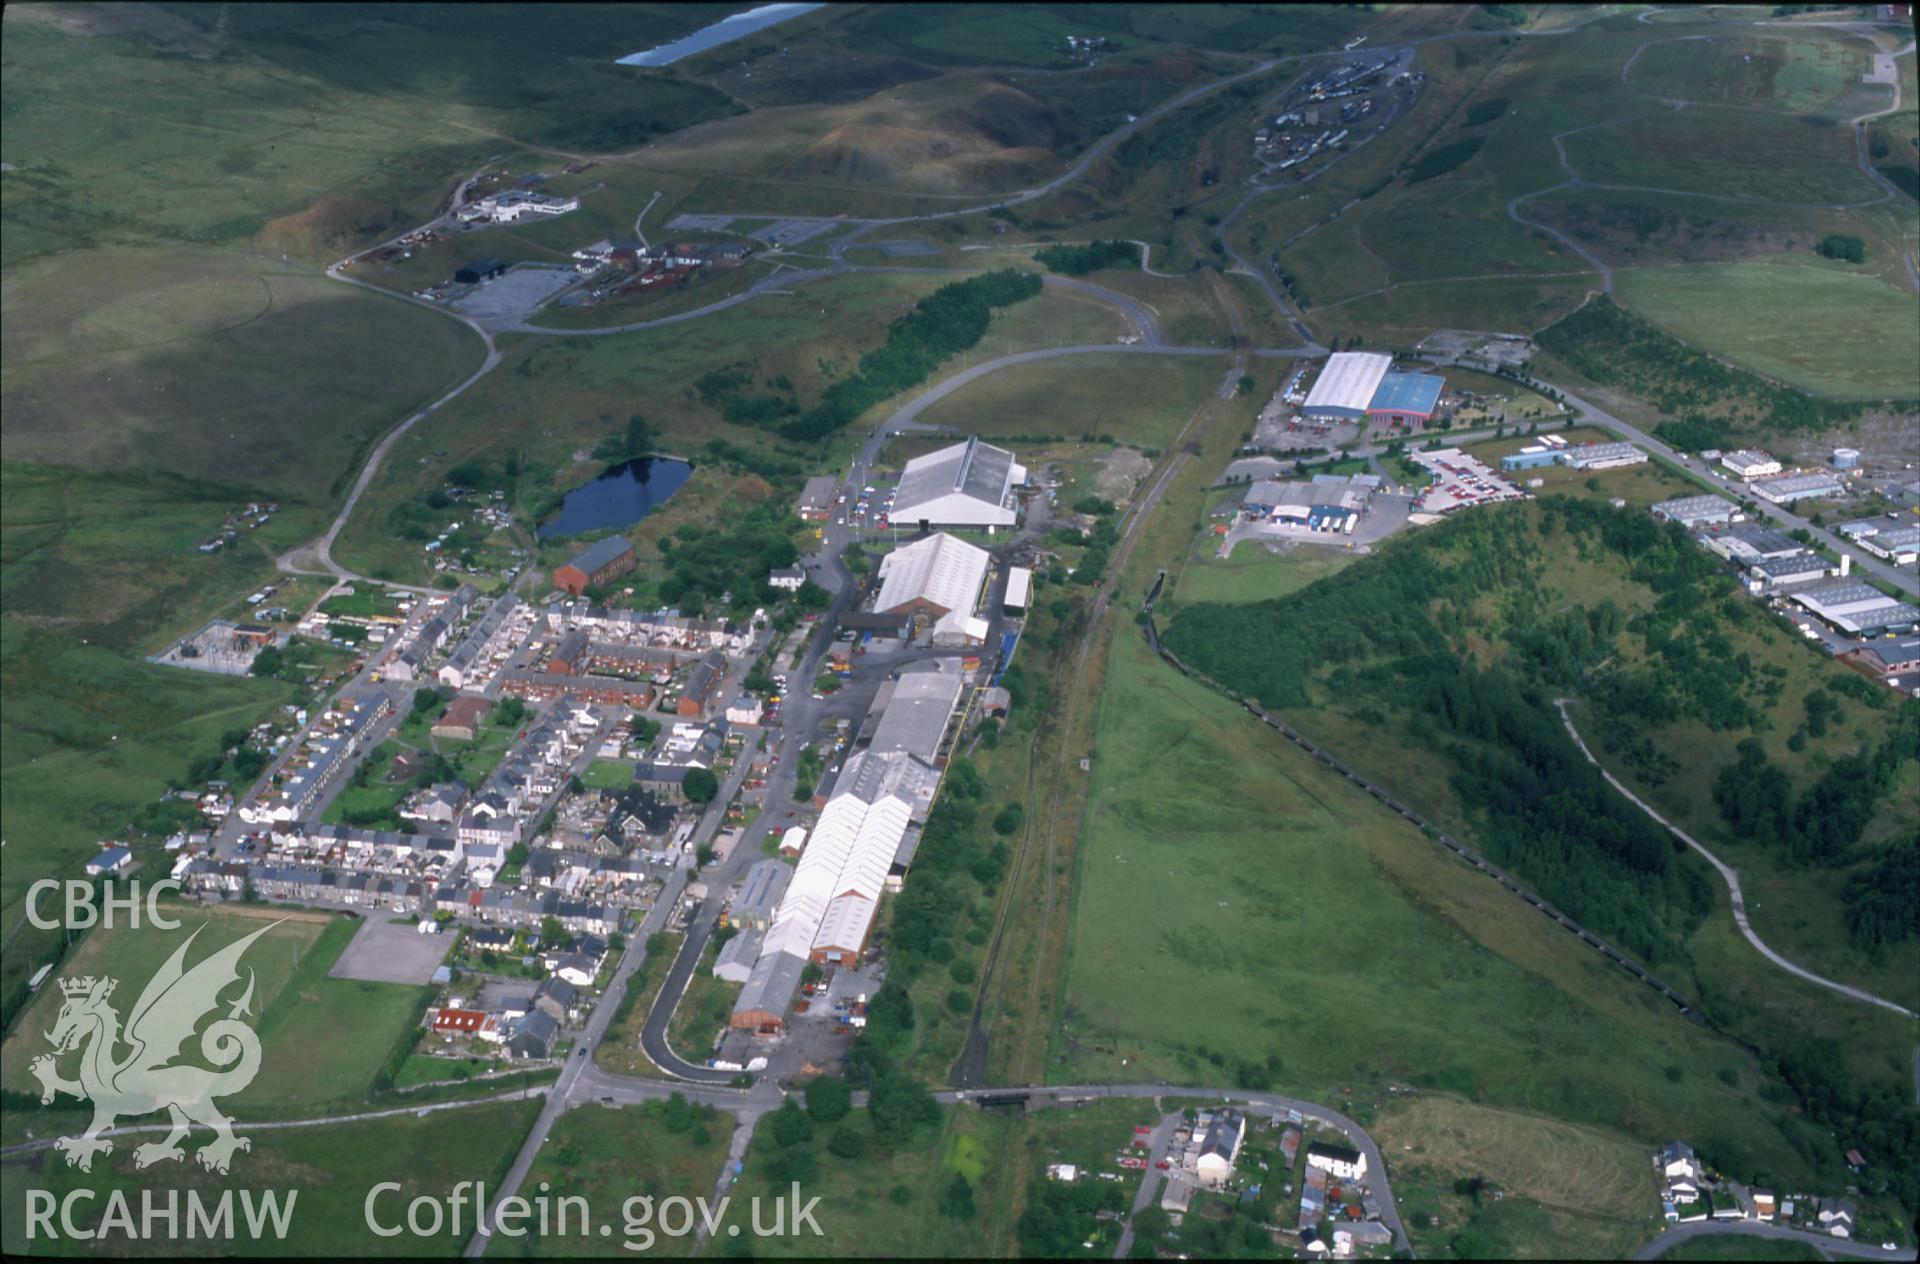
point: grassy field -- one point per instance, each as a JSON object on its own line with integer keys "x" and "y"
{"x": 1726, "y": 153}
{"x": 90, "y": 737}
{"x": 1726, "y": 309}
{"x": 1587, "y": 1192}
{"x": 861, "y": 1211}
{"x": 306, "y": 125}
{"x": 202, "y": 370}
{"x": 1810, "y": 72}
{"x": 326, "y": 1173}
{"x": 1798, "y": 910}
{"x": 1137, "y": 399}
{"x": 607, "y": 774}
{"x": 609, "y": 1157}
{"x": 1438, "y": 978}
{"x": 702, "y": 1011}
{"x": 1408, "y": 313}
{"x": 322, "y": 1038}
{"x": 1253, "y": 573}
{"x": 620, "y": 1049}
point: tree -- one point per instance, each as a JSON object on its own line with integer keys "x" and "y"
{"x": 829, "y": 1098}
{"x": 703, "y": 855}
{"x": 810, "y": 973}
{"x": 845, "y": 1143}
{"x": 267, "y": 662}
{"x": 700, "y": 785}
{"x": 794, "y": 1164}
{"x": 552, "y": 933}
{"x": 791, "y": 1126}
{"x": 956, "y": 1200}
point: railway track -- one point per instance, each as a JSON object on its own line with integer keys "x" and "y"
{"x": 970, "y": 1068}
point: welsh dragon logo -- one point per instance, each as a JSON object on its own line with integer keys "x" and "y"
{"x": 146, "y": 1080}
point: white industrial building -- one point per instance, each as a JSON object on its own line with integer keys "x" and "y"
{"x": 830, "y": 901}
{"x": 1346, "y": 385}
{"x": 1019, "y": 589}
{"x": 967, "y": 485}
{"x": 1800, "y": 485}
{"x": 1695, "y": 511}
{"x": 1859, "y": 609}
{"x": 1602, "y": 456}
{"x": 1747, "y": 463}
{"x": 938, "y": 578}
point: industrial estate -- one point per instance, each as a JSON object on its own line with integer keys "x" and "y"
{"x": 1050, "y": 631}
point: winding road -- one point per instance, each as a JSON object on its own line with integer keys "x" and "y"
{"x": 1732, "y": 877}
{"x": 581, "y": 1078}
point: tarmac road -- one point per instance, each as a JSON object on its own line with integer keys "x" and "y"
{"x": 1824, "y": 1243}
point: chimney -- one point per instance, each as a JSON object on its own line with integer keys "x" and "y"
{"x": 1846, "y": 564}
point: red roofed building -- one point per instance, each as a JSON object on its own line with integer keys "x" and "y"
{"x": 461, "y": 1021}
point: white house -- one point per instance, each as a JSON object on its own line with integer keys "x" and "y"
{"x": 1220, "y": 1148}
{"x": 1339, "y": 1161}
{"x": 1678, "y": 1159}
{"x": 1836, "y": 1217}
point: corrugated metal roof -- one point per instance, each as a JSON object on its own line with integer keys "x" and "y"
{"x": 1348, "y": 380}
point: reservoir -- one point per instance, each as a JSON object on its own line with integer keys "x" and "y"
{"x": 619, "y": 498}
{"x": 724, "y": 31}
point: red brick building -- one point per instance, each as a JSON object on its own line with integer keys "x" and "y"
{"x": 599, "y": 562}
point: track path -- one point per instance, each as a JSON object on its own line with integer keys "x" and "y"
{"x": 1732, "y": 878}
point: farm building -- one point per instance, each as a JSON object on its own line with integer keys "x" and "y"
{"x": 1747, "y": 463}
{"x": 596, "y": 564}
{"x": 1346, "y": 386}
{"x": 1696, "y": 511}
{"x": 938, "y": 578}
{"x": 1406, "y": 399}
{"x": 479, "y": 270}
{"x": 1802, "y": 485}
{"x": 967, "y": 485}
{"x": 110, "y": 860}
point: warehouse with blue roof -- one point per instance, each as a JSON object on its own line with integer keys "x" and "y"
{"x": 1360, "y": 384}
{"x": 1406, "y": 398}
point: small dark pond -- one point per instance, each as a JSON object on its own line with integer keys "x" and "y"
{"x": 619, "y": 498}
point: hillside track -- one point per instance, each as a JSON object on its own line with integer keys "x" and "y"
{"x": 1732, "y": 878}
